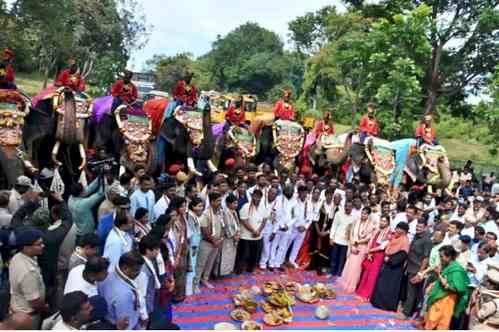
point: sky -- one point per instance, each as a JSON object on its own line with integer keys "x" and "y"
{"x": 192, "y": 25}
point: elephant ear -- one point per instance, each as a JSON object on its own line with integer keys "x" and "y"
{"x": 39, "y": 123}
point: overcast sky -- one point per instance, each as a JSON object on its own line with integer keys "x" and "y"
{"x": 192, "y": 25}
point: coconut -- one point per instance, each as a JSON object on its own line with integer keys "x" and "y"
{"x": 322, "y": 312}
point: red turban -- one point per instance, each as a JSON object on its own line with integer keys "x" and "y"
{"x": 229, "y": 163}
{"x": 174, "y": 169}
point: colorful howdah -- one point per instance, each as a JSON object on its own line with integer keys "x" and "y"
{"x": 13, "y": 110}
{"x": 289, "y": 137}
{"x": 244, "y": 140}
{"x": 382, "y": 157}
{"x": 192, "y": 121}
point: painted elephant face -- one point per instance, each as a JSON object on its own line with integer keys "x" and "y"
{"x": 192, "y": 121}
{"x": 137, "y": 153}
{"x": 12, "y": 113}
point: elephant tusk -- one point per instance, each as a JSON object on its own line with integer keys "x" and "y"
{"x": 192, "y": 168}
{"x": 117, "y": 116}
{"x": 55, "y": 151}
{"x": 211, "y": 166}
{"x": 83, "y": 157}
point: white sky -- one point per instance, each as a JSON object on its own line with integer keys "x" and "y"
{"x": 191, "y": 26}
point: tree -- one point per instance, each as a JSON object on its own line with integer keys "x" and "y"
{"x": 489, "y": 110}
{"x": 384, "y": 63}
{"x": 170, "y": 69}
{"x": 247, "y": 59}
{"x": 464, "y": 35}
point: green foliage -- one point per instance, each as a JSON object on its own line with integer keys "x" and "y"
{"x": 248, "y": 59}
{"x": 170, "y": 69}
{"x": 100, "y": 33}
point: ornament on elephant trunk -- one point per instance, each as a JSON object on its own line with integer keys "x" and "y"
{"x": 73, "y": 111}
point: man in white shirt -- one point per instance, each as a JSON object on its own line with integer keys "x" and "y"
{"x": 469, "y": 226}
{"x": 478, "y": 264}
{"x": 261, "y": 184}
{"x": 162, "y": 204}
{"x": 338, "y": 238}
{"x": 143, "y": 197}
{"x": 22, "y": 186}
{"x": 459, "y": 214}
{"x": 253, "y": 219}
{"x": 271, "y": 206}
{"x": 84, "y": 278}
{"x": 5, "y": 215}
{"x": 304, "y": 215}
{"x": 453, "y": 233}
{"x": 285, "y": 222}
{"x": 118, "y": 241}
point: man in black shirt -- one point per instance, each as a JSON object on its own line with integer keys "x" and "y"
{"x": 417, "y": 261}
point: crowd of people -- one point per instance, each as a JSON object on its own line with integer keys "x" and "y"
{"x": 119, "y": 252}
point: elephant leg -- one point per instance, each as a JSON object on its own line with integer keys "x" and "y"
{"x": 55, "y": 151}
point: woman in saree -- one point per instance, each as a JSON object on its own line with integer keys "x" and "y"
{"x": 449, "y": 295}
{"x": 228, "y": 249}
{"x": 374, "y": 260}
{"x": 361, "y": 232}
{"x": 196, "y": 208}
{"x": 386, "y": 294}
{"x": 178, "y": 235}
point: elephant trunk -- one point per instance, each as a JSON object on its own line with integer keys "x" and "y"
{"x": 68, "y": 133}
{"x": 445, "y": 173}
{"x": 336, "y": 156}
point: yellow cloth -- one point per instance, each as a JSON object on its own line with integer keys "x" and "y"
{"x": 439, "y": 315}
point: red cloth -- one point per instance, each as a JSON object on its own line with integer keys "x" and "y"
{"x": 370, "y": 271}
{"x": 74, "y": 81}
{"x": 369, "y": 126}
{"x": 303, "y": 260}
{"x": 427, "y": 133}
{"x": 10, "y": 77}
{"x": 233, "y": 117}
{"x": 185, "y": 93}
{"x": 320, "y": 129}
{"x": 127, "y": 92}
{"x": 282, "y": 112}
{"x": 155, "y": 108}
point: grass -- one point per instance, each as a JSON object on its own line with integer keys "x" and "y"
{"x": 30, "y": 83}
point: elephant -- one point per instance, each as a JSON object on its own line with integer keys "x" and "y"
{"x": 386, "y": 162}
{"x": 237, "y": 144}
{"x": 14, "y": 108}
{"x": 187, "y": 135}
{"x": 126, "y": 133}
{"x": 58, "y": 118}
{"x": 329, "y": 151}
{"x": 428, "y": 164}
{"x": 280, "y": 143}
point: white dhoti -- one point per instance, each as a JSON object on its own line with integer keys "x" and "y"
{"x": 266, "y": 251}
{"x": 296, "y": 240}
{"x": 279, "y": 249}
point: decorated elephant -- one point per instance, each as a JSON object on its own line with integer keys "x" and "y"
{"x": 373, "y": 161}
{"x": 126, "y": 133}
{"x": 429, "y": 164}
{"x": 234, "y": 148}
{"x": 13, "y": 110}
{"x": 279, "y": 143}
{"x": 187, "y": 136}
{"x": 386, "y": 162}
{"x": 328, "y": 151}
{"x": 59, "y": 117}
